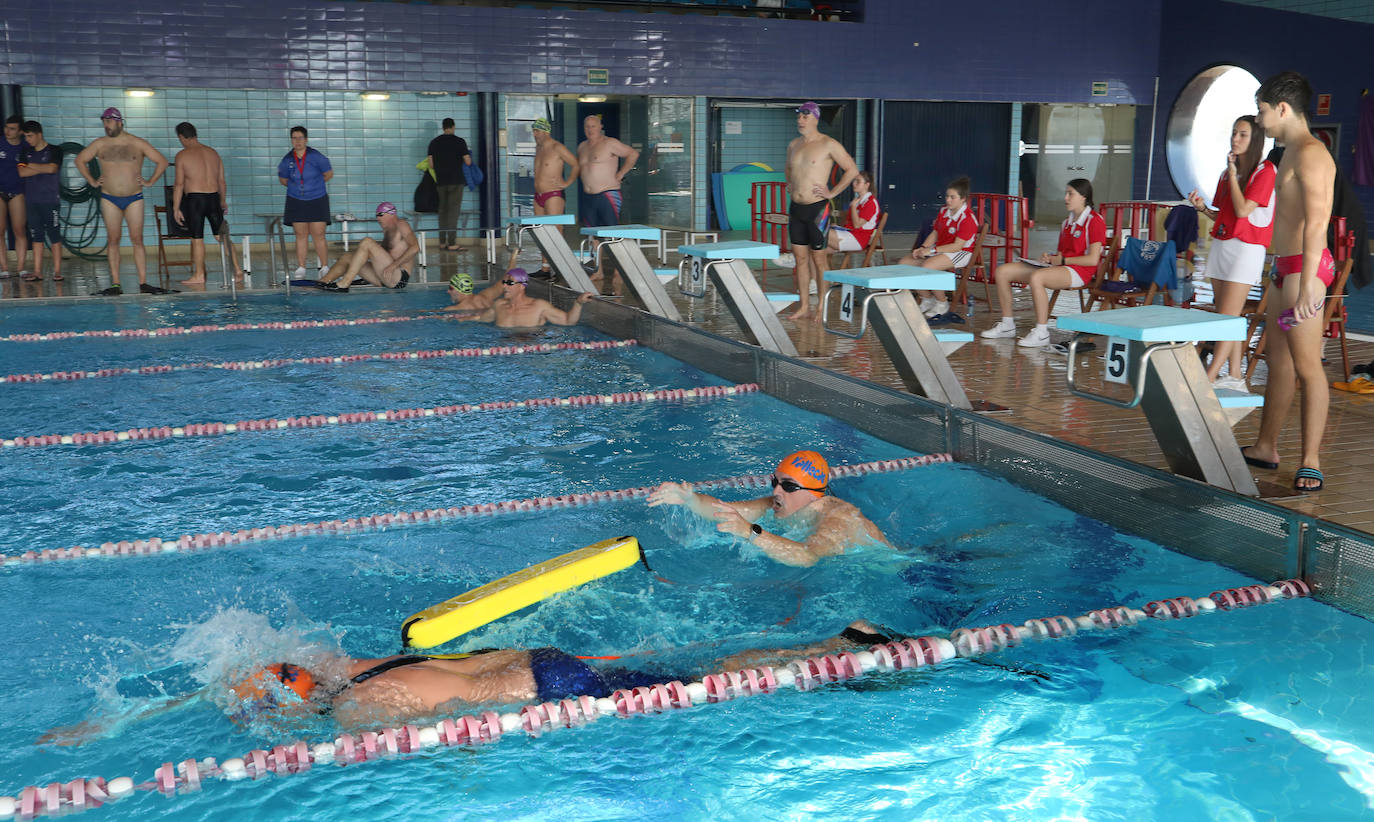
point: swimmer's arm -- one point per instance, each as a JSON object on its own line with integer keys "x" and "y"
{"x": 737, "y": 518}
{"x": 484, "y": 316}
{"x": 101, "y": 727}
{"x": 572, "y": 316}
{"x": 630, "y": 155}
{"x": 1316, "y": 175}
{"x": 846, "y": 163}
{"x": 159, "y": 162}
{"x": 569, "y": 159}
{"x": 680, "y": 493}
{"x": 86, "y": 155}
{"x": 178, "y": 189}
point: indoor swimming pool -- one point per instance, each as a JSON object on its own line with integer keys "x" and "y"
{"x": 1255, "y": 713}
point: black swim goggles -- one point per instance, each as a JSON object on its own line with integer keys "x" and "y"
{"x": 792, "y": 486}
{"x": 511, "y": 282}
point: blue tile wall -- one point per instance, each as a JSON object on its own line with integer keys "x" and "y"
{"x": 373, "y": 146}
{"x": 1339, "y": 67}
{"x": 312, "y": 44}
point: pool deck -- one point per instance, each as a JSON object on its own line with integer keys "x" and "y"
{"x": 1029, "y": 382}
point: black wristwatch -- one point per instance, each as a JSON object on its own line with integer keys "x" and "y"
{"x": 756, "y": 528}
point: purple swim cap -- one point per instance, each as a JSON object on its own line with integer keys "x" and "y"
{"x": 112, "y": 113}
{"x": 385, "y": 208}
{"x": 518, "y": 275}
{"x": 809, "y": 107}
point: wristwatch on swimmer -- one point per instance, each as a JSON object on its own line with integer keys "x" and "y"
{"x": 756, "y": 529}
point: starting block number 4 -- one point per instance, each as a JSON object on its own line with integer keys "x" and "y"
{"x": 847, "y": 302}
{"x": 1118, "y": 365}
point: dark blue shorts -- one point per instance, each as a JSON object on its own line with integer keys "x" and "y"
{"x": 599, "y": 209}
{"x": 306, "y": 211}
{"x": 45, "y": 222}
{"x": 562, "y": 676}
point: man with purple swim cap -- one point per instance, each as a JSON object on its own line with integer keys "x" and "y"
{"x": 386, "y": 263}
{"x": 121, "y": 185}
{"x": 516, "y": 309}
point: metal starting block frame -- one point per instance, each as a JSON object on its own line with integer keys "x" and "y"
{"x": 884, "y": 292}
{"x": 1151, "y": 348}
{"x": 638, "y": 275}
{"x": 723, "y": 264}
{"x": 548, "y": 235}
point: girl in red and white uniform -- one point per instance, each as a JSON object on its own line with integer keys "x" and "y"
{"x": 1244, "y": 217}
{"x": 863, "y": 218}
{"x": 1074, "y": 265}
{"x": 947, "y": 247}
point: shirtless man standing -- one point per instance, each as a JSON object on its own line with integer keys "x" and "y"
{"x": 198, "y": 196}
{"x": 801, "y": 486}
{"x": 386, "y": 263}
{"x": 599, "y": 160}
{"x": 516, "y": 309}
{"x": 1302, "y": 272}
{"x": 810, "y": 159}
{"x": 550, "y": 197}
{"x": 121, "y": 185}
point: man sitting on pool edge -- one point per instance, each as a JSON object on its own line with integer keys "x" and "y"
{"x": 801, "y": 484}
{"x": 362, "y": 692}
{"x": 516, "y": 309}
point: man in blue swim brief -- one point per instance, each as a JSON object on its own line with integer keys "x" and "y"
{"x": 121, "y": 185}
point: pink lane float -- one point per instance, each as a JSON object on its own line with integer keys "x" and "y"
{"x": 220, "y": 539}
{"x": 253, "y": 365}
{"x": 488, "y": 727}
{"x": 180, "y": 330}
{"x": 215, "y": 429}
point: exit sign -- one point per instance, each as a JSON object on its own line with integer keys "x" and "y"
{"x": 598, "y": 77}
{"x": 1100, "y": 88}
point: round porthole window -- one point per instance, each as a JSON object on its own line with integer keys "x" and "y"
{"x": 1199, "y": 131}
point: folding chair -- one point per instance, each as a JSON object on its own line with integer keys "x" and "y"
{"x": 163, "y": 264}
{"x": 976, "y": 271}
{"x": 1155, "y": 272}
{"x": 875, "y": 243}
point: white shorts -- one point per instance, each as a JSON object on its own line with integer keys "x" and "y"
{"x": 846, "y": 240}
{"x": 1236, "y": 261}
{"x": 958, "y": 259}
{"x": 1078, "y": 281}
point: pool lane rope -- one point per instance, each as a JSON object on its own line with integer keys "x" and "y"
{"x": 488, "y": 727}
{"x": 357, "y": 525}
{"x": 217, "y": 429}
{"x": 181, "y": 330}
{"x": 253, "y": 365}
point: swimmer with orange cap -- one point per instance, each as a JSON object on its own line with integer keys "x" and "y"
{"x": 801, "y": 497}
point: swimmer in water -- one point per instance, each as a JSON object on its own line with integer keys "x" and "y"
{"x": 396, "y": 689}
{"x": 462, "y": 298}
{"x": 516, "y": 309}
{"x": 801, "y": 485}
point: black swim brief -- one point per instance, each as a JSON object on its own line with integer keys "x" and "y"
{"x": 196, "y": 209}
{"x": 809, "y": 224}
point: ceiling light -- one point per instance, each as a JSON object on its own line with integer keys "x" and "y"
{"x": 139, "y": 92}
{"x": 376, "y": 96}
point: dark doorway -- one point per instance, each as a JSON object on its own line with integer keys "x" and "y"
{"x": 926, "y": 145}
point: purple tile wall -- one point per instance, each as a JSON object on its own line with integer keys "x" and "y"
{"x": 994, "y": 50}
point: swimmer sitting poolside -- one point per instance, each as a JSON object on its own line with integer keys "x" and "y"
{"x": 800, "y": 494}
{"x": 387, "y": 690}
{"x": 516, "y": 309}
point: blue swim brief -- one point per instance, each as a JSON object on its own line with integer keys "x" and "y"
{"x": 123, "y": 202}
{"x": 562, "y": 676}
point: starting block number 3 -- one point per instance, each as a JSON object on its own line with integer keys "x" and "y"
{"x": 1118, "y": 364}
{"x": 847, "y": 302}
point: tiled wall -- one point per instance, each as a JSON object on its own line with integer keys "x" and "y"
{"x": 373, "y": 145}
{"x": 314, "y": 44}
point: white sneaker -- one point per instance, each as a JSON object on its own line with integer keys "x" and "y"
{"x": 300, "y": 273}
{"x": 1232, "y": 383}
{"x": 937, "y": 307}
{"x": 786, "y": 261}
{"x": 1037, "y": 338}
{"x": 1001, "y": 331}
{"x": 324, "y": 269}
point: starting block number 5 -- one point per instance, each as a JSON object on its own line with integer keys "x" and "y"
{"x": 1118, "y": 364}
{"x": 847, "y": 302}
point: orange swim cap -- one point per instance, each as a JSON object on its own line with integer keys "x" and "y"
{"x": 275, "y": 681}
{"x": 808, "y": 468}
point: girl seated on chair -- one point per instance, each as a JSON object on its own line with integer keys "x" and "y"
{"x": 947, "y": 246}
{"x": 1073, "y": 266}
{"x": 862, "y": 218}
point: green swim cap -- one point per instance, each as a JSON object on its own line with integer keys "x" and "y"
{"x": 461, "y": 283}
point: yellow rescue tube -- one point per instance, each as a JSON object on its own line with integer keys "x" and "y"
{"x": 438, "y": 624}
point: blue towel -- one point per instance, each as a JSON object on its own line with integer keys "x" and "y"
{"x": 1150, "y": 261}
{"x": 1181, "y": 226}
{"x": 473, "y": 176}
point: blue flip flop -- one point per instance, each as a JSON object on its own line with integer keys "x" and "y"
{"x": 1308, "y": 474}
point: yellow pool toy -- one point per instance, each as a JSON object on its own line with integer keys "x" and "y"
{"x": 468, "y": 611}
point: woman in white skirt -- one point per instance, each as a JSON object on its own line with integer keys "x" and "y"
{"x": 1244, "y": 215}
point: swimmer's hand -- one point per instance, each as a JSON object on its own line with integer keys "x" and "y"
{"x": 729, "y": 521}
{"x": 180, "y": 219}
{"x": 671, "y": 493}
{"x": 820, "y": 191}
{"x": 585, "y": 297}
{"x": 74, "y": 734}
{"x": 1311, "y": 297}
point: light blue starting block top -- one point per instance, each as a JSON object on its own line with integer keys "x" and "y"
{"x": 732, "y": 250}
{"x": 1157, "y": 323}
{"x": 552, "y": 219}
{"x": 893, "y": 277}
{"x": 634, "y": 231}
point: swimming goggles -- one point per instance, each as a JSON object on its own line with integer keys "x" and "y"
{"x": 792, "y": 486}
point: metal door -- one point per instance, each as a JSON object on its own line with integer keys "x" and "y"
{"x": 926, "y": 145}
{"x": 1093, "y": 142}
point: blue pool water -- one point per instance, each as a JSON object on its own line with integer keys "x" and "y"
{"x": 1255, "y": 714}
